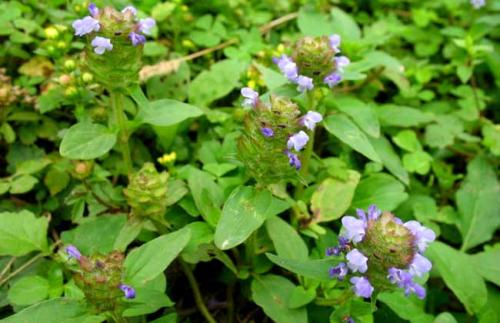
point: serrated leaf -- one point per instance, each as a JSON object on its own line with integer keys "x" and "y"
{"x": 22, "y": 232}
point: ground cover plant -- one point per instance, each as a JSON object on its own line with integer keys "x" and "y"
{"x": 250, "y": 161}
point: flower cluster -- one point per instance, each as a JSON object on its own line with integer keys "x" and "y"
{"x": 100, "y": 278}
{"x": 295, "y": 141}
{"x": 385, "y": 252}
{"x": 98, "y": 21}
{"x": 314, "y": 60}
{"x": 478, "y": 4}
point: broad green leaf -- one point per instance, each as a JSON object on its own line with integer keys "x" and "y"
{"x": 301, "y": 297}
{"x": 96, "y": 235}
{"x": 87, "y": 141}
{"x": 207, "y": 195}
{"x": 376, "y": 59}
{"x": 477, "y": 201}
{"x": 22, "y": 184}
{"x": 460, "y": 274}
{"x": 487, "y": 264}
{"x": 201, "y": 233}
{"x": 333, "y": 197}
{"x": 344, "y": 129}
{"x": 245, "y": 211}
{"x": 146, "y": 301}
{"x": 272, "y": 292}
{"x": 345, "y": 25}
{"x": 149, "y": 260}
{"x": 28, "y": 290}
{"x": 407, "y": 308}
{"x": 22, "y": 232}
{"x": 316, "y": 269}
{"x": 418, "y": 162}
{"x": 53, "y": 310}
{"x": 401, "y": 116}
{"x": 167, "y": 112}
{"x": 445, "y": 317}
{"x": 287, "y": 242}
{"x": 313, "y": 23}
{"x": 380, "y": 189}
{"x": 407, "y": 140}
{"x": 272, "y": 78}
{"x": 389, "y": 158}
{"x": 362, "y": 114}
{"x": 215, "y": 83}
{"x": 128, "y": 233}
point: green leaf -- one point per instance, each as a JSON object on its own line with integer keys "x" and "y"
{"x": 28, "y": 290}
{"x": 488, "y": 265}
{"x": 301, "y": 297}
{"x": 207, "y": 195}
{"x": 407, "y": 308}
{"x": 146, "y": 262}
{"x": 56, "y": 180}
{"x": 316, "y": 269}
{"x": 344, "y": 25}
{"x": 477, "y": 201}
{"x": 445, "y": 317}
{"x": 362, "y": 114}
{"x": 380, "y": 189}
{"x": 344, "y": 129}
{"x": 146, "y": 301}
{"x": 418, "y": 162}
{"x": 459, "y": 273}
{"x": 287, "y": 242}
{"x": 167, "y": 112}
{"x": 22, "y": 232}
{"x": 210, "y": 85}
{"x": 407, "y": 139}
{"x": 401, "y": 116}
{"x": 313, "y": 23}
{"x": 272, "y": 292}
{"x": 87, "y": 141}
{"x": 201, "y": 233}
{"x": 96, "y": 235}
{"x": 245, "y": 211}
{"x": 389, "y": 158}
{"x": 333, "y": 197}
{"x": 53, "y": 310}
{"x": 272, "y": 78}
{"x": 22, "y": 184}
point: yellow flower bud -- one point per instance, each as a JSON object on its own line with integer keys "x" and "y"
{"x": 69, "y": 64}
{"x": 87, "y": 77}
{"x": 252, "y": 84}
{"x": 70, "y": 91}
{"x": 51, "y": 32}
{"x": 167, "y": 158}
{"x": 187, "y": 43}
{"x": 61, "y": 44}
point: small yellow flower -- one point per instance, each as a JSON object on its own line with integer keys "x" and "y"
{"x": 87, "y": 77}
{"x": 280, "y": 48}
{"x": 252, "y": 84}
{"x": 61, "y": 44}
{"x": 167, "y": 158}
{"x": 51, "y": 32}
{"x": 69, "y": 64}
{"x": 70, "y": 91}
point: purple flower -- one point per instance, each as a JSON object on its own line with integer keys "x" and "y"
{"x": 420, "y": 265}
{"x": 298, "y": 141}
{"x": 146, "y": 24}
{"x": 423, "y": 236}
{"x": 137, "y": 39}
{"x": 335, "y": 42}
{"x": 341, "y": 62}
{"x": 349, "y": 320}
{"x": 85, "y": 26}
{"x": 293, "y": 160}
{"x": 332, "y": 79}
{"x": 362, "y": 287}
{"x": 477, "y": 4}
{"x": 339, "y": 271}
{"x": 73, "y": 252}
{"x": 287, "y": 66}
{"x": 130, "y": 9}
{"x": 128, "y": 291}
{"x": 251, "y": 97}
{"x": 357, "y": 261}
{"x": 311, "y": 119}
{"x": 304, "y": 83}
{"x": 333, "y": 251}
{"x": 373, "y": 212}
{"x": 94, "y": 11}
{"x": 101, "y": 44}
{"x": 404, "y": 280}
{"x": 355, "y": 228}
{"x": 267, "y": 132}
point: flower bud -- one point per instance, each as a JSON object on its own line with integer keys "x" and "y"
{"x": 82, "y": 169}
{"x": 69, "y": 64}
{"x": 87, "y": 77}
{"x": 314, "y": 56}
{"x": 146, "y": 192}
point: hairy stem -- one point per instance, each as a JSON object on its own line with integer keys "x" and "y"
{"x": 196, "y": 292}
{"x": 121, "y": 122}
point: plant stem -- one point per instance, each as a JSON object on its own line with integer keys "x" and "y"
{"x": 7, "y": 266}
{"x": 121, "y": 122}
{"x": 196, "y": 292}
{"x": 23, "y": 267}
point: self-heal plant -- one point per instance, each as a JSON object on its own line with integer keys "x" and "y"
{"x": 314, "y": 62}
{"x": 274, "y": 136}
{"x": 100, "y": 279}
{"x": 382, "y": 253}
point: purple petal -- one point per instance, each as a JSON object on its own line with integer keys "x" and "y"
{"x": 298, "y": 141}
{"x": 137, "y": 39}
{"x": 73, "y": 252}
{"x": 267, "y": 132}
{"x": 311, "y": 119}
{"x": 355, "y": 228}
{"x": 362, "y": 286}
{"x": 356, "y": 261}
{"x": 94, "y": 11}
{"x": 85, "y": 26}
{"x": 128, "y": 291}
{"x": 420, "y": 265}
